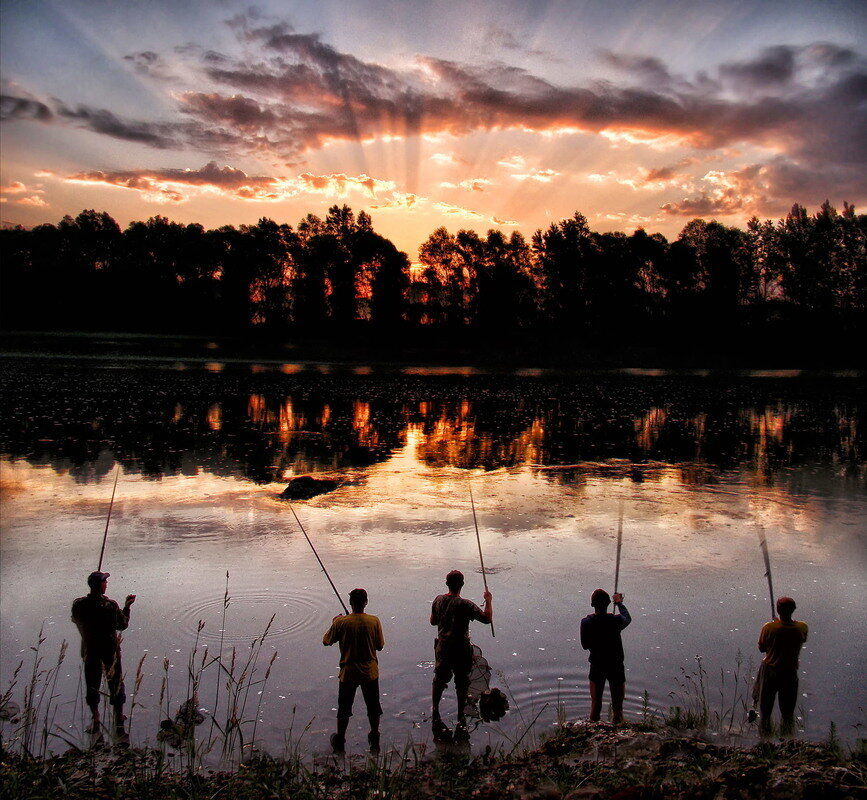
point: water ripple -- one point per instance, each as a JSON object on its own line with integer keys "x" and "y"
{"x": 247, "y": 616}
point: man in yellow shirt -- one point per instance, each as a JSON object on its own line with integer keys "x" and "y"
{"x": 781, "y": 642}
{"x": 360, "y": 637}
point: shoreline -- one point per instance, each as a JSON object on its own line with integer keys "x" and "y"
{"x": 581, "y": 761}
{"x": 460, "y": 354}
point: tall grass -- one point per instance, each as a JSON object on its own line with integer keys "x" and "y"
{"x": 693, "y": 708}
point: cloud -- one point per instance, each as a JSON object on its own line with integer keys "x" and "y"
{"x": 19, "y": 190}
{"x": 13, "y": 107}
{"x": 538, "y": 175}
{"x": 339, "y": 184}
{"x": 513, "y": 162}
{"x": 773, "y": 68}
{"x": 15, "y": 187}
{"x": 34, "y": 200}
{"x": 412, "y": 202}
{"x": 473, "y": 184}
{"x": 284, "y": 93}
{"x": 181, "y": 185}
{"x": 447, "y": 158}
{"x": 767, "y": 189}
{"x": 297, "y": 93}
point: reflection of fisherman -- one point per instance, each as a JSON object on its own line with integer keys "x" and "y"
{"x": 600, "y": 634}
{"x": 98, "y": 619}
{"x": 453, "y": 651}
{"x": 360, "y": 636}
{"x": 781, "y": 642}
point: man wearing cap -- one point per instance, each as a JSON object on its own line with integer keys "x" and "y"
{"x": 780, "y": 641}
{"x": 453, "y": 650}
{"x": 98, "y": 619}
{"x": 600, "y": 634}
{"x": 360, "y": 637}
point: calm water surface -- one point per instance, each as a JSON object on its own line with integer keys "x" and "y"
{"x": 698, "y": 464}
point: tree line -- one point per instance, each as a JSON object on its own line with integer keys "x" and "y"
{"x": 336, "y": 276}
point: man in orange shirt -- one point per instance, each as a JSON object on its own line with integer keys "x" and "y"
{"x": 360, "y": 637}
{"x": 781, "y": 642}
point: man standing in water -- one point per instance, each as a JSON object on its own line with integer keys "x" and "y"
{"x": 453, "y": 651}
{"x": 780, "y": 641}
{"x": 360, "y": 637}
{"x": 98, "y": 619}
{"x": 600, "y": 634}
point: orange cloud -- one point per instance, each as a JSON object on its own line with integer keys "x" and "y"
{"x": 538, "y": 175}
{"x": 17, "y": 188}
{"x": 179, "y": 186}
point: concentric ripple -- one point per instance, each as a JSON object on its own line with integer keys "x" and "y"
{"x": 248, "y": 614}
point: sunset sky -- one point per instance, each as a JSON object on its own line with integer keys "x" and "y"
{"x": 479, "y": 114}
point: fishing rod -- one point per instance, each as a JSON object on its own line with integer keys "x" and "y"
{"x": 345, "y": 609}
{"x": 108, "y": 519}
{"x": 763, "y": 543}
{"x": 619, "y": 545}
{"x": 479, "y": 542}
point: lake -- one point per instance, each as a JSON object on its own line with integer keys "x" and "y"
{"x": 696, "y": 465}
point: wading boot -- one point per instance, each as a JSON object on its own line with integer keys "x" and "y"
{"x": 441, "y": 732}
{"x": 461, "y": 733}
{"x": 373, "y": 741}
{"x": 338, "y": 742}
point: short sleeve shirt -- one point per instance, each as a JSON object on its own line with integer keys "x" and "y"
{"x": 452, "y": 616}
{"x": 359, "y": 636}
{"x": 781, "y": 642}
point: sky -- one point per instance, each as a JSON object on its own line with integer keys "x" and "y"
{"x": 477, "y": 115}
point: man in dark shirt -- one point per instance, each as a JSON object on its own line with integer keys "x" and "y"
{"x": 600, "y": 634}
{"x": 360, "y": 637}
{"x": 98, "y": 619}
{"x": 453, "y": 651}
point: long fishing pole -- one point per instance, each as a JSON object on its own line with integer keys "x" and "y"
{"x": 619, "y": 546}
{"x": 479, "y": 542}
{"x": 108, "y": 519}
{"x": 345, "y": 609}
{"x": 763, "y": 543}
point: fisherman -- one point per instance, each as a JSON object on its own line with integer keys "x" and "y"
{"x": 360, "y": 637}
{"x": 453, "y": 651}
{"x": 780, "y": 641}
{"x": 98, "y": 619}
{"x": 600, "y": 634}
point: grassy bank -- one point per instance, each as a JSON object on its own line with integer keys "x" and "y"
{"x": 581, "y": 761}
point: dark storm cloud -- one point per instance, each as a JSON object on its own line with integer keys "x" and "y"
{"x": 773, "y": 68}
{"x": 12, "y": 107}
{"x": 101, "y": 120}
{"x": 646, "y": 68}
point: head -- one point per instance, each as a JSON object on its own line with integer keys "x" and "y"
{"x": 97, "y": 581}
{"x": 358, "y": 600}
{"x": 600, "y": 600}
{"x": 786, "y": 607}
{"x": 455, "y": 580}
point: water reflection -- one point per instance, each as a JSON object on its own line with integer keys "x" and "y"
{"x": 265, "y": 427}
